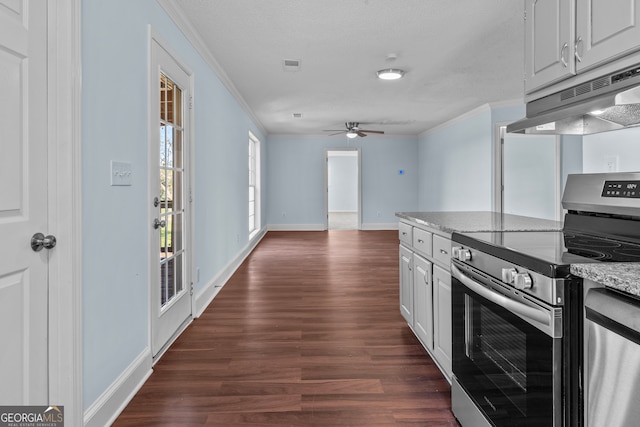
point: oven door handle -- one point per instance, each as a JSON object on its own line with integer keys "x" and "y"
{"x": 536, "y": 316}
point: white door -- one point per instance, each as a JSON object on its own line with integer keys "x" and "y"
{"x": 23, "y": 203}
{"x": 168, "y": 164}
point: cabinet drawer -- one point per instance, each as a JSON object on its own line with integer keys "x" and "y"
{"x": 422, "y": 241}
{"x": 405, "y": 233}
{"x": 442, "y": 250}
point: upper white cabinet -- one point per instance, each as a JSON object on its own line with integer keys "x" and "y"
{"x": 549, "y": 42}
{"x": 605, "y": 30}
{"x": 567, "y": 37}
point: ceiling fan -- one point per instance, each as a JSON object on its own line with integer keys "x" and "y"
{"x": 352, "y": 130}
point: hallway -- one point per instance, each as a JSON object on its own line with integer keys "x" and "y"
{"x": 307, "y": 332}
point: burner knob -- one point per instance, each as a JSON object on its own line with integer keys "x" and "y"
{"x": 523, "y": 281}
{"x": 508, "y": 274}
{"x": 463, "y": 254}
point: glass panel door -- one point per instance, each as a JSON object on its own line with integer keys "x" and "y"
{"x": 171, "y": 201}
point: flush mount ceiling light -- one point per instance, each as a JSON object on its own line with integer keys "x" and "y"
{"x": 390, "y": 74}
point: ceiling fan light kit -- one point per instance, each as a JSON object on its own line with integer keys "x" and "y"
{"x": 390, "y": 74}
{"x": 352, "y": 130}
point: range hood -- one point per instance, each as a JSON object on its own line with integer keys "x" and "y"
{"x": 607, "y": 103}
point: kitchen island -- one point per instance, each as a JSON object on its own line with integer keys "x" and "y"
{"x": 425, "y": 279}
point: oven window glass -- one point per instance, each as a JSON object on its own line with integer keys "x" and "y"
{"x": 505, "y": 364}
{"x": 500, "y": 351}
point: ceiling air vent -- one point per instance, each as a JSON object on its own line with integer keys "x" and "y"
{"x": 297, "y": 115}
{"x": 291, "y": 64}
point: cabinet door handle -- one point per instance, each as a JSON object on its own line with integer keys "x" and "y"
{"x": 579, "y": 46}
{"x": 420, "y": 241}
{"x": 442, "y": 251}
{"x": 404, "y": 233}
{"x": 563, "y": 55}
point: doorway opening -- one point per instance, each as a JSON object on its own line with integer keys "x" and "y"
{"x": 527, "y": 175}
{"x": 343, "y": 189}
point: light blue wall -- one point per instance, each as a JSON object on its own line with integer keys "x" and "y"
{"x": 295, "y": 178}
{"x": 456, "y": 165}
{"x": 115, "y": 224}
{"x": 622, "y": 145}
{"x": 456, "y": 160}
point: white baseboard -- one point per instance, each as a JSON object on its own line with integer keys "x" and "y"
{"x": 320, "y": 227}
{"x": 380, "y": 226}
{"x": 107, "y": 407}
{"x": 296, "y": 227}
{"x": 211, "y": 289}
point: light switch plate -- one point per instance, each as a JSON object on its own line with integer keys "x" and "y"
{"x": 120, "y": 173}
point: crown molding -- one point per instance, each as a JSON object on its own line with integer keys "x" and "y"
{"x": 192, "y": 35}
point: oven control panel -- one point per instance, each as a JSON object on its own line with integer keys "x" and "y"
{"x": 621, "y": 189}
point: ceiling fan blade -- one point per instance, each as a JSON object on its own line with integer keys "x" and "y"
{"x": 360, "y": 134}
{"x": 371, "y": 131}
{"x": 337, "y": 133}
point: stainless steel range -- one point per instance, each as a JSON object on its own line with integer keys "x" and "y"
{"x": 518, "y": 312}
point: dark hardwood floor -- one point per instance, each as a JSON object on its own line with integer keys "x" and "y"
{"x": 307, "y": 332}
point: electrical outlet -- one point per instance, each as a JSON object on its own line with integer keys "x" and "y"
{"x": 611, "y": 163}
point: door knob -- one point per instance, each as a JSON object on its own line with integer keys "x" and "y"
{"x": 157, "y": 223}
{"x": 39, "y": 241}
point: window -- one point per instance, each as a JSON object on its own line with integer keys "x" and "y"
{"x": 254, "y": 185}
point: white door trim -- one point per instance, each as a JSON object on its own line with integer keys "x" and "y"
{"x": 65, "y": 208}
{"x": 326, "y": 184}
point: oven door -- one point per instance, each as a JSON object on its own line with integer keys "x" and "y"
{"x": 507, "y": 351}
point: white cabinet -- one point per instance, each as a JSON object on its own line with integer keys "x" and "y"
{"x": 567, "y": 37}
{"x": 549, "y": 42}
{"x": 442, "y": 337}
{"x": 606, "y": 29}
{"x": 425, "y": 255}
{"x": 406, "y": 284}
{"x": 422, "y": 301}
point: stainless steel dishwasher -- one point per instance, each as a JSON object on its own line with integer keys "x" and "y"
{"x": 612, "y": 359}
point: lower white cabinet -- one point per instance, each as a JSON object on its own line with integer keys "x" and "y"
{"x": 442, "y": 314}
{"x": 422, "y": 301}
{"x": 425, "y": 290}
{"x": 406, "y": 284}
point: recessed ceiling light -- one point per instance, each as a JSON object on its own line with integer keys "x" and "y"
{"x": 390, "y": 74}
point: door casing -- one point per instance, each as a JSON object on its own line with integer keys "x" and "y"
{"x": 65, "y": 208}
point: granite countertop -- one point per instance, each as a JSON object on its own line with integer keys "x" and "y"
{"x": 474, "y": 221}
{"x": 624, "y": 277}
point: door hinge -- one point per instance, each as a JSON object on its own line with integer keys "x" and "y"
{"x": 191, "y": 103}
{"x": 191, "y": 290}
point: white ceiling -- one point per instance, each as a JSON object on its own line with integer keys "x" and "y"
{"x": 457, "y": 54}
